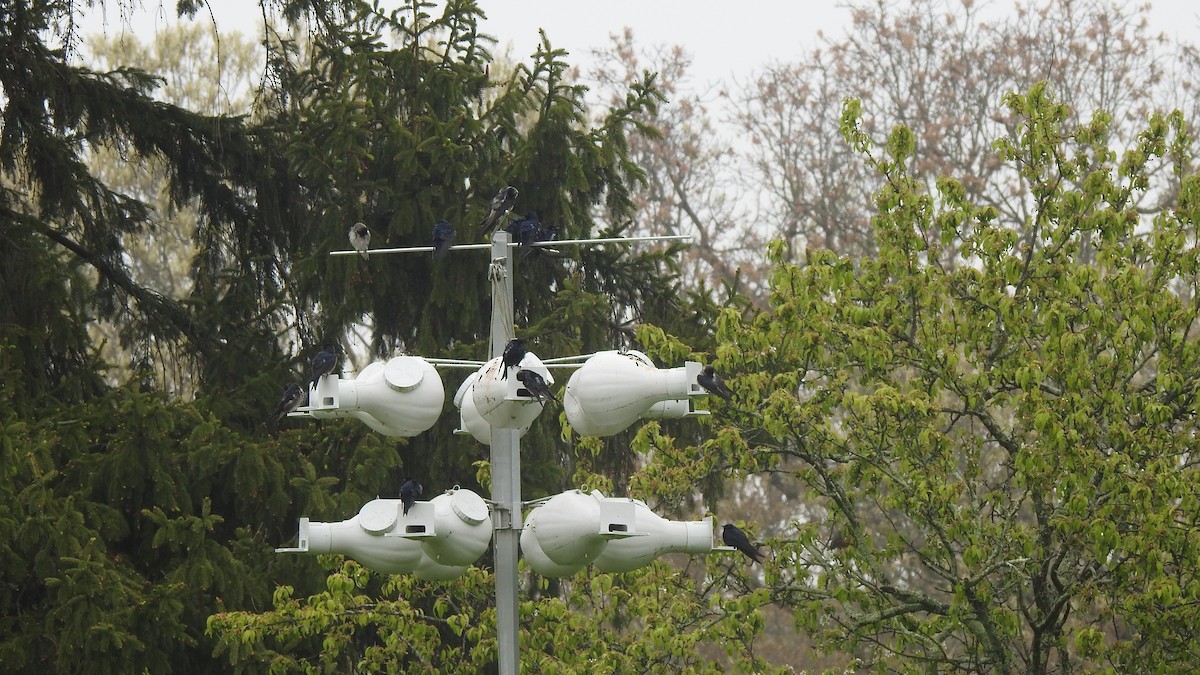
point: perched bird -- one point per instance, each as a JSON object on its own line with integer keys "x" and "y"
{"x": 525, "y": 232}
{"x": 548, "y": 233}
{"x": 502, "y": 203}
{"x": 732, "y": 536}
{"x": 323, "y": 364}
{"x": 545, "y": 234}
{"x": 293, "y": 397}
{"x": 712, "y": 382}
{"x": 535, "y": 384}
{"x": 443, "y": 236}
{"x": 514, "y": 351}
{"x": 840, "y": 540}
{"x": 409, "y": 491}
{"x": 360, "y": 238}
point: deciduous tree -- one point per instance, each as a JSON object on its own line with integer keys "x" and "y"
{"x": 940, "y": 67}
{"x": 999, "y": 455}
{"x": 683, "y": 153}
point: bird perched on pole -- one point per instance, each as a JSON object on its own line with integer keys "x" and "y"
{"x": 712, "y": 383}
{"x": 536, "y": 385}
{"x": 409, "y": 491}
{"x": 443, "y": 236}
{"x": 514, "y": 352}
{"x": 323, "y": 364}
{"x": 502, "y": 203}
{"x": 732, "y": 536}
{"x": 525, "y": 232}
{"x": 548, "y": 233}
{"x": 293, "y": 397}
{"x": 360, "y": 238}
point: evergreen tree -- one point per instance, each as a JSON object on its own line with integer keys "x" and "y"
{"x": 397, "y": 121}
{"x": 128, "y": 518}
{"x": 202, "y": 73}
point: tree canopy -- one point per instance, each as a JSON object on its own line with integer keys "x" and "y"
{"x": 996, "y": 458}
{"x": 964, "y": 386}
{"x": 740, "y": 163}
{"x": 131, "y": 514}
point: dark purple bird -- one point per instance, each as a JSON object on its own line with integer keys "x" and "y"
{"x": 514, "y": 352}
{"x": 293, "y": 397}
{"x": 536, "y": 385}
{"x": 443, "y": 236}
{"x": 409, "y": 491}
{"x": 712, "y": 382}
{"x": 732, "y": 536}
{"x": 323, "y": 364}
{"x": 525, "y": 231}
{"x": 502, "y": 203}
{"x": 548, "y": 233}
{"x": 544, "y": 235}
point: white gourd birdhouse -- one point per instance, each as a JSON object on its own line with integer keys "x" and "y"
{"x": 403, "y": 397}
{"x": 612, "y": 390}
{"x": 436, "y": 540}
{"x": 574, "y": 529}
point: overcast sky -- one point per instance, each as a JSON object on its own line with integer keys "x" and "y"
{"x": 724, "y": 38}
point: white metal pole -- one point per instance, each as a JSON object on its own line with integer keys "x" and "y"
{"x": 506, "y": 470}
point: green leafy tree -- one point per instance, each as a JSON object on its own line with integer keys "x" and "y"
{"x": 997, "y": 457}
{"x": 654, "y": 620}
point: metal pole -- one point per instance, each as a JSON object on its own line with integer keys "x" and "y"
{"x": 506, "y": 471}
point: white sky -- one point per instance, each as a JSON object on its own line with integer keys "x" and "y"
{"x": 725, "y": 38}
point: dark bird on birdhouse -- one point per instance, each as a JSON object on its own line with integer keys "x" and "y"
{"x": 536, "y": 385}
{"x": 732, "y": 536}
{"x": 293, "y": 397}
{"x": 409, "y": 491}
{"x": 514, "y": 352}
{"x": 712, "y": 382}
{"x": 323, "y": 364}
